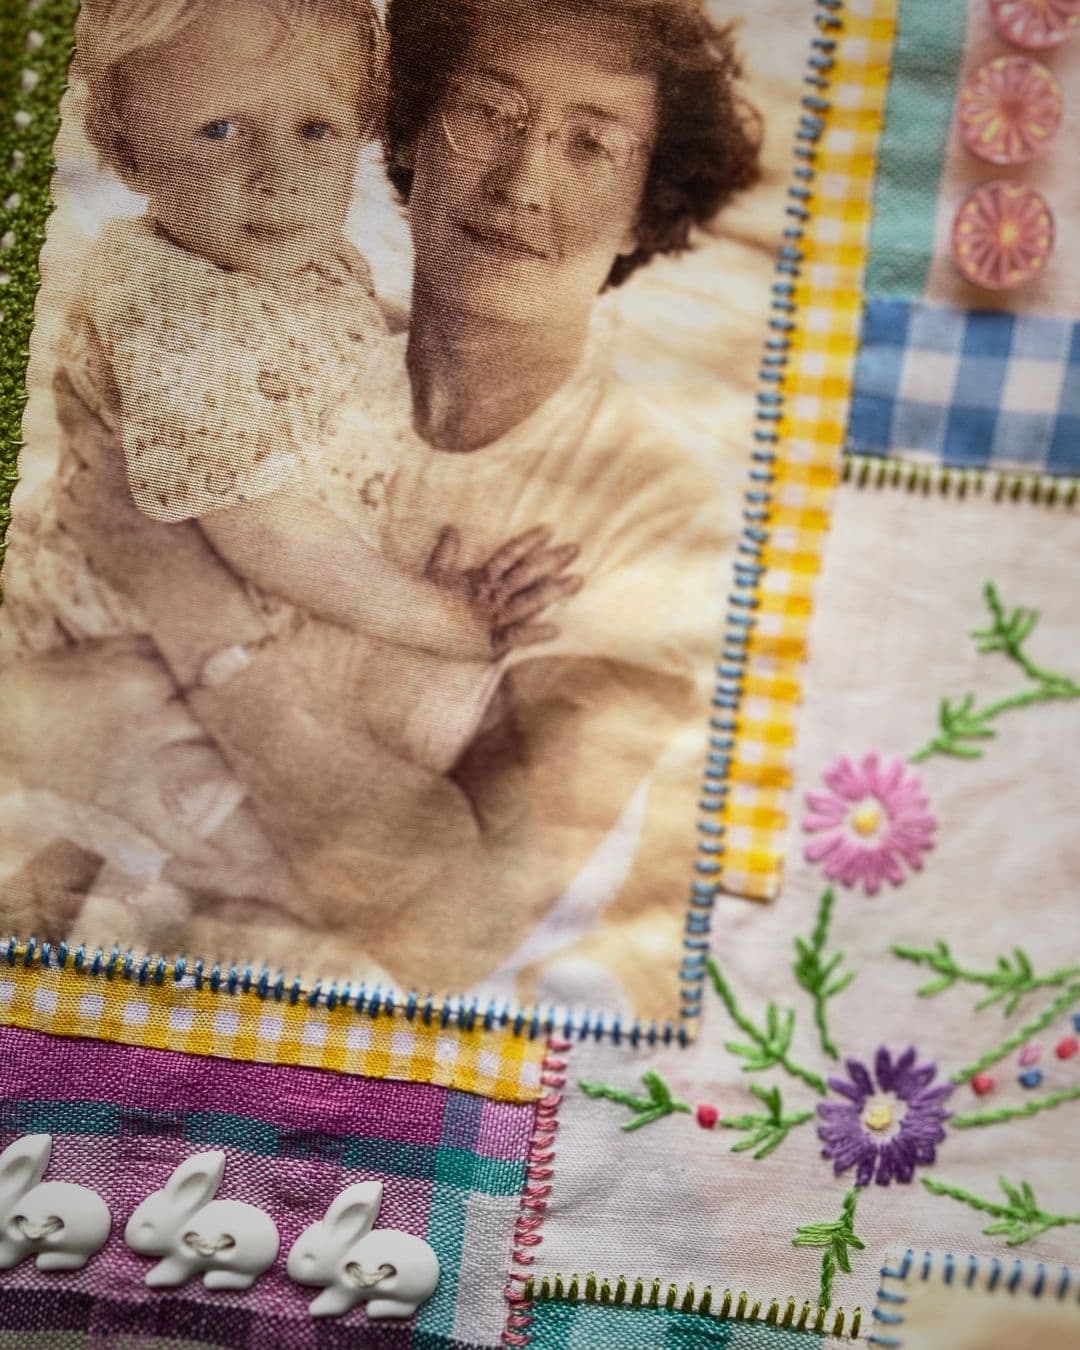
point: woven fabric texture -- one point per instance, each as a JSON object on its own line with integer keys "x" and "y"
{"x": 452, "y": 1166}
{"x": 566, "y": 1326}
{"x": 975, "y": 389}
{"x": 246, "y": 1026}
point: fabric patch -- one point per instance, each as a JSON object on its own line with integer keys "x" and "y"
{"x": 816, "y": 321}
{"x": 591, "y": 1326}
{"x": 938, "y": 1301}
{"x": 202, "y": 1017}
{"x": 918, "y": 115}
{"x": 452, "y": 1166}
{"x": 976, "y": 389}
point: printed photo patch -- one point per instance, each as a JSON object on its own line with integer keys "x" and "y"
{"x": 390, "y": 419}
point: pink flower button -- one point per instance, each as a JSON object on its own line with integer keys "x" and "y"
{"x": 1009, "y": 110}
{"x": 1035, "y": 24}
{"x": 1002, "y": 236}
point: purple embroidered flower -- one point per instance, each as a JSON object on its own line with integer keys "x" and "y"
{"x": 888, "y": 1126}
{"x": 873, "y": 817}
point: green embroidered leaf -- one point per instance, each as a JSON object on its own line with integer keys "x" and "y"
{"x": 838, "y": 1238}
{"x": 1017, "y": 1222}
{"x": 961, "y": 723}
{"x": 768, "y": 1131}
{"x": 815, "y": 972}
{"x": 769, "y": 1044}
{"x": 656, "y": 1106}
{"x": 1011, "y": 978}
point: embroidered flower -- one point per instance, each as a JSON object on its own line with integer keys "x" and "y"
{"x": 873, "y": 817}
{"x": 1035, "y": 24}
{"x": 888, "y": 1126}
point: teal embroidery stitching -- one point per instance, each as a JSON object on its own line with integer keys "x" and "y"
{"x": 816, "y": 974}
{"x": 769, "y": 1131}
{"x": 769, "y": 1047}
{"x": 1017, "y": 1222}
{"x": 836, "y": 1236}
{"x": 961, "y": 723}
{"x": 658, "y": 1104}
{"x": 1011, "y": 979}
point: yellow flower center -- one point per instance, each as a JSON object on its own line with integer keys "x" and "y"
{"x": 877, "y": 1114}
{"x": 1008, "y": 234}
{"x": 866, "y": 819}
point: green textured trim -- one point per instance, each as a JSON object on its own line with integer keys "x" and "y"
{"x": 929, "y": 480}
{"x": 926, "y": 65}
{"x": 36, "y": 44}
{"x": 791, "y": 1314}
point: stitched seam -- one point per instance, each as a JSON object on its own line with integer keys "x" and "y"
{"x": 862, "y": 470}
{"x": 539, "y": 1173}
{"x": 792, "y": 1314}
{"x": 1032, "y": 1278}
{"x": 749, "y": 567}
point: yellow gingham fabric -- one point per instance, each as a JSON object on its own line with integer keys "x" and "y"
{"x": 177, "y": 1016}
{"x": 817, "y": 383}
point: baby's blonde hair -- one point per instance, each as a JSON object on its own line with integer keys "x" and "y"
{"x": 112, "y": 33}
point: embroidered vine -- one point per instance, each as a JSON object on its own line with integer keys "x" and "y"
{"x": 769, "y": 1045}
{"x": 998, "y": 1115}
{"x": 1009, "y": 981}
{"x": 765, "y": 1132}
{"x": 962, "y": 725}
{"x": 1017, "y": 1222}
{"x": 836, "y": 1237}
{"x": 1065, "y": 1000}
{"x": 655, "y": 1106}
{"x": 818, "y": 974}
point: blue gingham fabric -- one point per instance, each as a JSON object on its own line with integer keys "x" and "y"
{"x": 974, "y": 389}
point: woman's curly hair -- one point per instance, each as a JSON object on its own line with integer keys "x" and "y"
{"x": 708, "y": 140}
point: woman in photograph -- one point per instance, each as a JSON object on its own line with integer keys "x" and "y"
{"x": 543, "y": 158}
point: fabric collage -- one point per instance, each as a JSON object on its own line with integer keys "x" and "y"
{"x": 538, "y": 674}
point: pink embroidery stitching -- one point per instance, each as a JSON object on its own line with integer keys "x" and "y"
{"x": 874, "y": 817}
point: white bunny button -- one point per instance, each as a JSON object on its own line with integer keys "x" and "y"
{"x": 64, "y": 1225}
{"x": 393, "y": 1271}
{"x": 233, "y": 1243}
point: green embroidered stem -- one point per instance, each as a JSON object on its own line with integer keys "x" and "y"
{"x": 658, "y": 1104}
{"x": 962, "y": 723}
{"x": 1064, "y": 1000}
{"x": 1009, "y": 981}
{"x": 1003, "y": 1113}
{"x": 770, "y": 1046}
{"x": 815, "y": 975}
{"x": 836, "y": 1237}
{"x": 768, "y": 1132}
{"x": 1019, "y": 1221}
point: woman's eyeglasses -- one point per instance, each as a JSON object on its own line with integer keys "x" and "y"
{"x": 489, "y": 122}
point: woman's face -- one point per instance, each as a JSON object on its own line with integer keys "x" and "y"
{"x": 528, "y": 179}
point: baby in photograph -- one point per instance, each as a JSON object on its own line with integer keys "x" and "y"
{"x": 216, "y": 337}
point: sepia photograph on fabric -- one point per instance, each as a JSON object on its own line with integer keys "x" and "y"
{"x": 390, "y": 416}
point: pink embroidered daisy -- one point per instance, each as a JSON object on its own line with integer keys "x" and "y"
{"x": 873, "y": 818}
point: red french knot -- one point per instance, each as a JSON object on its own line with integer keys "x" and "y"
{"x": 982, "y": 1083}
{"x": 707, "y": 1116}
{"x": 1067, "y": 1047}
{"x": 534, "y": 1197}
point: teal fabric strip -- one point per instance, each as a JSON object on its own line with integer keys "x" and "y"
{"x": 918, "y": 116}
{"x": 592, "y": 1326}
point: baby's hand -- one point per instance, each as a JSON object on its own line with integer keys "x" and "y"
{"x": 507, "y": 594}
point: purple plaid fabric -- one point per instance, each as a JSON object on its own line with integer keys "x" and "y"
{"x": 121, "y": 1117}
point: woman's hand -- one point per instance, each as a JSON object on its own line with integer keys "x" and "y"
{"x": 506, "y": 595}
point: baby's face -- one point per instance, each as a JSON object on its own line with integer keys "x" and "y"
{"x": 245, "y": 136}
